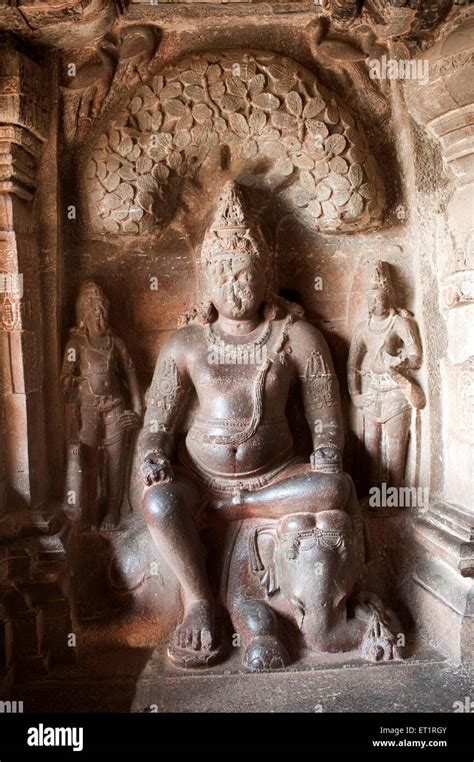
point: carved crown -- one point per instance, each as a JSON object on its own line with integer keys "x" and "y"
{"x": 381, "y": 278}
{"x": 233, "y": 230}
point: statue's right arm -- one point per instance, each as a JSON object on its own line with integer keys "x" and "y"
{"x": 356, "y": 353}
{"x": 166, "y": 401}
{"x": 70, "y": 372}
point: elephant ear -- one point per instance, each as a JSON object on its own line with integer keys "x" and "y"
{"x": 262, "y": 558}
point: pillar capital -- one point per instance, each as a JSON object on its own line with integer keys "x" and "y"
{"x": 24, "y": 121}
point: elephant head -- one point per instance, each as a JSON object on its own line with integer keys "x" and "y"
{"x": 313, "y": 562}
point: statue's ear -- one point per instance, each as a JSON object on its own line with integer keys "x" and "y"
{"x": 262, "y": 547}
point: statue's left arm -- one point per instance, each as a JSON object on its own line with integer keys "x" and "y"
{"x": 412, "y": 352}
{"x": 319, "y": 387}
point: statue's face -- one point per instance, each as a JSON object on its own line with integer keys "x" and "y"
{"x": 379, "y": 302}
{"x": 236, "y": 286}
{"x": 96, "y": 317}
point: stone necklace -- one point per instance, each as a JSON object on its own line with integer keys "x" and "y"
{"x": 258, "y": 390}
{"x": 385, "y": 324}
{"x": 104, "y": 342}
{"x": 218, "y": 343}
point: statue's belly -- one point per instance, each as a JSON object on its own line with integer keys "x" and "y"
{"x": 102, "y": 384}
{"x": 208, "y": 444}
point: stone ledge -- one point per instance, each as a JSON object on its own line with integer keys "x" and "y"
{"x": 134, "y": 682}
{"x": 456, "y": 551}
{"x": 443, "y": 583}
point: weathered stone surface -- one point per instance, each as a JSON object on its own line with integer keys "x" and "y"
{"x": 348, "y": 128}
{"x": 443, "y": 105}
{"x": 385, "y": 350}
{"x": 264, "y": 110}
{"x": 136, "y": 681}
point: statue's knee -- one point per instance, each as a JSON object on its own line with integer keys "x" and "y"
{"x": 159, "y": 503}
{"x": 331, "y": 491}
{"x": 258, "y": 617}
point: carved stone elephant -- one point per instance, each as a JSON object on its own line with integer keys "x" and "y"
{"x": 304, "y": 570}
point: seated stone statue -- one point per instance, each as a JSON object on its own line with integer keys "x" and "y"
{"x": 291, "y": 535}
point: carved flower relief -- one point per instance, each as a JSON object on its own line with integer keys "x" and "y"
{"x": 261, "y": 106}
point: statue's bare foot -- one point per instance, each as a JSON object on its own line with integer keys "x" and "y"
{"x": 379, "y": 648}
{"x": 379, "y": 642}
{"x": 266, "y": 652}
{"x": 194, "y": 643}
{"x": 197, "y": 628}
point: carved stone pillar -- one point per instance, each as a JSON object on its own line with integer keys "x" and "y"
{"x": 23, "y": 130}
{"x": 444, "y": 573}
{"x": 34, "y": 611}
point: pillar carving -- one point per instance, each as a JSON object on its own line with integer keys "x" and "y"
{"x": 23, "y": 130}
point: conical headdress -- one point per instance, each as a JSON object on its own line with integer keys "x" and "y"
{"x": 381, "y": 279}
{"x": 233, "y": 230}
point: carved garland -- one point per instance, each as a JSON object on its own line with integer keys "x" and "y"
{"x": 262, "y": 106}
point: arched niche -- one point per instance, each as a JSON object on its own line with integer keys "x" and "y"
{"x": 277, "y": 126}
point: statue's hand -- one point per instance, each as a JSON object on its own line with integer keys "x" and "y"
{"x": 156, "y": 469}
{"x": 129, "y": 420}
{"x": 403, "y": 364}
{"x": 327, "y": 459}
{"x": 391, "y": 362}
{"x": 70, "y": 387}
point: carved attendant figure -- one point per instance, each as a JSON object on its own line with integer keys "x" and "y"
{"x": 99, "y": 379}
{"x": 238, "y": 461}
{"x": 384, "y": 349}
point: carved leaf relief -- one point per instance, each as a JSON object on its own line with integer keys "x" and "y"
{"x": 262, "y": 106}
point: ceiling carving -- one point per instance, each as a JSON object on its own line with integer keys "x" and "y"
{"x": 68, "y": 23}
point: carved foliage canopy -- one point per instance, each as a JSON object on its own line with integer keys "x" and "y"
{"x": 267, "y": 109}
